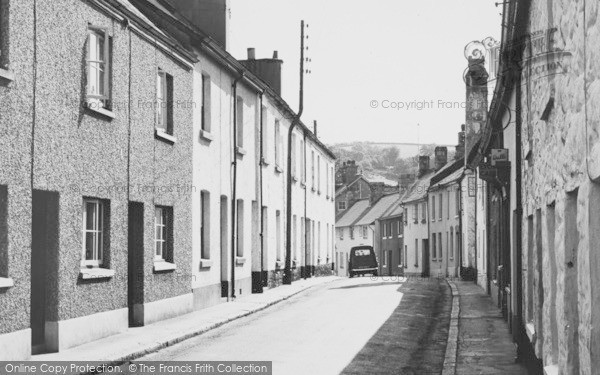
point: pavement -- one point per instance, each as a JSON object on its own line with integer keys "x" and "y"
{"x": 139, "y": 341}
{"x": 483, "y": 342}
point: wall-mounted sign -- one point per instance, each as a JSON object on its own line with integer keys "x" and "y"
{"x": 499, "y": 155}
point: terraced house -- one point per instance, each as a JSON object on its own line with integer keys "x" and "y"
{"x": 147, "y": 175}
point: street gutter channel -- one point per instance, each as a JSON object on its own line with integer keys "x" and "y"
{"x": 452, "y": 344}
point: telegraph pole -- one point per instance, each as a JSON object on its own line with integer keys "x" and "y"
{"x": 287, "y": 273}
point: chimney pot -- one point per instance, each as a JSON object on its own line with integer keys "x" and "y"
{"x": 275, "y": 55}
{"x": 441, "y": 157}
{"x": 423, "y": 164}
{"x": 251, "y": 54}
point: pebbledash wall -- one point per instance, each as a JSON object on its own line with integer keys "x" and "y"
{"x": 561, "y": 191}
{"x": 16, "y": 98}
{"x": 79, "y": 153}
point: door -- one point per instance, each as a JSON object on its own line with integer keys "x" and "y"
{"x": 135, "y": 264}
{"x": 425, "y": 255}
{"x": 224, "y": 222}
{"x": 44, "y": 265}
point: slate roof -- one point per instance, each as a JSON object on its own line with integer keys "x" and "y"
{"x": 452, "y": 177}
{"x": 378, "y": 209}
{"x": 353, "y": 213}
{"x": 419, "y": 189}
{"x": 394, "y": 210}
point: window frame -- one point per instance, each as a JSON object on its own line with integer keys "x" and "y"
{"x": 205, "y": 114}
{"x": 103, "y": 96}
{"x": 345, "y": 206}
{"x": 99, "y": 217}
{"x": 166, "y": 254}
{"x": 164, "y": 102}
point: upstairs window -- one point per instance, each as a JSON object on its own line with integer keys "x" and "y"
{"x": 302, "y": 162}
{"x": 423, "y": 211}
{"x": 3, "y": 36}
{"x": 277, "y": 142}
{"x": 341, "y": 205}
{"x": 239, "y": 107}
{"x": 98, "y": 68}
{"x": 415, "y": 212}
{"x": 164, "y": 102}
{"x": 351, "y": 233}
{"x": 433, "y": 209}
{"x": 293, "y": 152}
{"x": 441, "y": 206}
{"x": 205, "y": 102}
{"x": 365, "y": 231}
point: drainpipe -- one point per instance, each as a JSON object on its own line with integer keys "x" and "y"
{"x": 517, "y": 318}
{"x": 234, "y": 186}
{"x": 305, "y": 218}
{"x": 260, "y": 215}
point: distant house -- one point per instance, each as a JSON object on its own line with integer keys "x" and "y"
{"x": 390, "y": 238}
{"x": 358, "y": 225}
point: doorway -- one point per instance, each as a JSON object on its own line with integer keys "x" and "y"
{"x": 44, "y": 266}
{"x": 135, "y": 264}
{"x": 425, "y": 254}
{"x": 224, "y": 223}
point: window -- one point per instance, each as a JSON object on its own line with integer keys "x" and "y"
{"x": 303, "y": 161}
{"x": 278, "y": 235}
{"x": 433, "y": 208}
{"x": 433, "y": 247}
{"x": 98, "y": 68}
{"x": 164, "y": 102}
{"x": 277, "y": 142}
{"x": 448, "y": 206}
{"x": 457, "y": 201}
{"x": 162, "y": 234}
{"x": 240, "y": 228}
{"x": 312, "y": 164}
{"x": 341, "y": 205}
{"x": 4, "y": 61}
{"x": 293, "y": 152}
{"x": 365, "y": 231}
{"x": 440, "y": 251}
{"x": 239, "y": 108}
{"x": 441, "y": 205}
{"x": 399, "y": 228}
{"x": 264, "y": 135}
{"x": 206, "y": 103}
{"x": 319, "y": 238}
{"x": 451, "y": 244}
{"x": 385, "y": 258}
{"x": 405, "y": 216}
{"x": 389, "y": 230}
{"x": 327, "y": 179}
{"x": 205, "y": 225}
{"x": 319, "y": 173}
{"x": 424, "y": 211}
{"x": 93, "y": 232}
{"x": 351, "y": 233}
{"x": 383, "y": 230}
{"x": 415, "y": 212}
{"x": 340, "y": 233}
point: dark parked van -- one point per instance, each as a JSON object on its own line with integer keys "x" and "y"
{"x": 362, "y": 261}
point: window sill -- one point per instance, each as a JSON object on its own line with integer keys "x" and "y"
{"x": 206, "y": 135}
{"x": 163, "y": 266}
{"x": 240, "y": 151}
{"x": 279, "y": 265}
{"x": 6, "y": 282}
{"x": 313, "y": 189}
{"x": 264, "y": 162}
{"x": 96, "y": 273}
{"x": 303, "y": 185}
{"x": 294, "y": 179}
{"x": 7, "y": 75}
{"x": 240, "y": 261}
{"x": 161, "y": 135}
{"x": 319, "y": 192}
{"x": 327, "y": 197}
{"x": 206, "y": 263}
{"x": 278, "y": 169}
{"x": 424, "y": 221}
{"x": 101, "y": 111}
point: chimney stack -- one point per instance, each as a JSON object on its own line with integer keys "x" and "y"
{"x": 315, "y": 128}
{"x": 210, "y": 16}
{"x": 349, "y": 171}
{"x": 441, "y": 157}
{"x": 377, "y": 189}
{"x": 405, "y": 181}
{"x": 423, "y": 165}
{"x": 460, "y": 147}
{"x": 476, "y": 81}
{"x": 269, "y": 70}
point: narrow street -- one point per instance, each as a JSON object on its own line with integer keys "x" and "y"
{"x": 351, "y": 326}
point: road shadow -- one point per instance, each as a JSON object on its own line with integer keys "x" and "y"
{"x": 366, "y": 285}
{"x": 413, "y": 339}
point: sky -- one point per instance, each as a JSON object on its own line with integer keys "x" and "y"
{"x": 381, "y": 71}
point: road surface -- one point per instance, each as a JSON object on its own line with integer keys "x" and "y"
{"x": 351, "y": 326}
